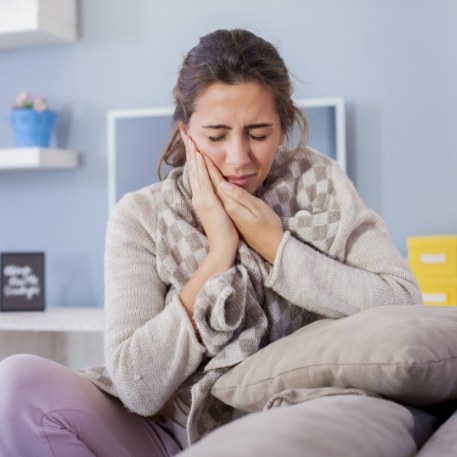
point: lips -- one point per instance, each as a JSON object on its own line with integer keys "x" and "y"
{"x": 241, "y": 181}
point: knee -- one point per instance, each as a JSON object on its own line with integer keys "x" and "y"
{"x": 18, "y": 369}
{"x": 15, "y": 367}
{"x": 19, "y": 375}
{"x": 26, "y": 390}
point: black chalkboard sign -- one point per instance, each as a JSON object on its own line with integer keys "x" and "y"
{"x": 22, "y": 281}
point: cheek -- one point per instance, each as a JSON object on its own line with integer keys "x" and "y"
{"x": 214, "y": 152}
{"x": 265, "y": 157}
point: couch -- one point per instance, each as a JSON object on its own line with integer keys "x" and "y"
{"x": 380, "y": 383}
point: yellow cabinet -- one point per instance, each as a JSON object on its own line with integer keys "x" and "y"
{"x": 433, "y": 255}
{"x": 438, "y": 291}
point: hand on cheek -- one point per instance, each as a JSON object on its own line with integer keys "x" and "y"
{"x": 260, "y": 227}
{"x": 222, "y": 235}
{"x": 223, "y": 238}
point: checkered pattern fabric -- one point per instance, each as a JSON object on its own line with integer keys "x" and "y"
{"x": 154, "y": 243}
{"x": 235, "y": 314}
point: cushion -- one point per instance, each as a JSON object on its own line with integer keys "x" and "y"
{"x": 407, "y": 353}
{"x": 337, "y": 426}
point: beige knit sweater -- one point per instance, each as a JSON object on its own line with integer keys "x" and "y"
{"x": 335, "y": 259}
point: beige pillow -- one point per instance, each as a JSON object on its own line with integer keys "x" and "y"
{"x": 407, "y": 353}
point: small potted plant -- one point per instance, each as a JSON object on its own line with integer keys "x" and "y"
{"x": 32, "y": 121}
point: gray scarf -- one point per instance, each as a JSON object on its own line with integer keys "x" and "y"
{"x": 235, "y": 313}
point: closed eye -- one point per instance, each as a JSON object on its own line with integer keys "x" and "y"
{"x": 216, "y": 138}
{"x": 258, "y": 137}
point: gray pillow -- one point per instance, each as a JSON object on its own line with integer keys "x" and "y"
{"x": 407, "y": 353}
{"x": 340, "y": 426}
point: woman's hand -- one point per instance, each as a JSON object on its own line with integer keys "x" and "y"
{"x": 223, "y": 238}
{"x": 260, "y": 227}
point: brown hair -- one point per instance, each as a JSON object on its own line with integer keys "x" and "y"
{"x": 230, "y": 57}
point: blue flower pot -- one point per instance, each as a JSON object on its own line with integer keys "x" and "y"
{"x": 32, "y": 128}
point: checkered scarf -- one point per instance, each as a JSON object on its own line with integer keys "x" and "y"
{"x": 235, "y": 313}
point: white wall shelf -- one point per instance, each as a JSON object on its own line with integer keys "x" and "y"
{"x": 37, "y": 158}
{"x": 37, "y": 22}
{"x": 54, "y": 320}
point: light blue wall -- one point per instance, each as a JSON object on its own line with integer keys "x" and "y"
{"x": 393, "y": 61}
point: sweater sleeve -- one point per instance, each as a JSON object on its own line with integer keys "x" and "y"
{"x": 364, "y": 268}
{"x": 150, "y": 344}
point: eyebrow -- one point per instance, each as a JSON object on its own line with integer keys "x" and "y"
{"x": 247, "y": 127}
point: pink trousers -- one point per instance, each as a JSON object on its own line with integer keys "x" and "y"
{"x": 48, "y": 410}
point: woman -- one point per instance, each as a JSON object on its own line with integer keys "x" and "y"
{"x": 244, "y": 242}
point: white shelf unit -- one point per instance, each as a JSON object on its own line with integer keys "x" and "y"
{"x": 70, "y": 336}
{"x": 37, "y": 158}
{"x": 37, "y": 22}
{"x": 54, "y": 320}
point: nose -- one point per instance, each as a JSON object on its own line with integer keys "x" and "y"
{"x": 238, "y": 152}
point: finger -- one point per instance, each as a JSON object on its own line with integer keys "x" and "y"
{"x": 206, "y": 186}
{"x": 214, "y": 173}
{"x": 235, "y": 204}
{"x": 192, "y": 155}
{"x": 192, "y": 163}
{"x": 238, "y": 195}
{"x": 239, "y": 200}
{"x": 218, "y": 180}
{"x": 185, "y": 140}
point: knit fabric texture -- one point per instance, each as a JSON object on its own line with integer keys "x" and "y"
{"x": 335, "y": 259}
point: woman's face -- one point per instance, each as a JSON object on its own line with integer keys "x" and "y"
{"x": 238, "y": 128}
